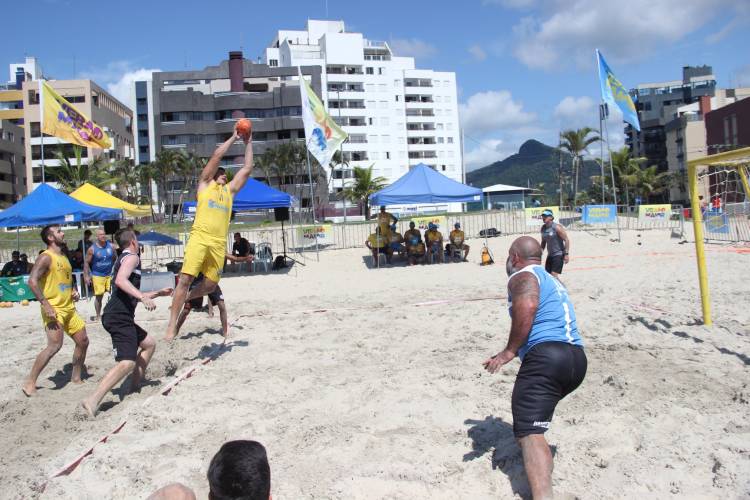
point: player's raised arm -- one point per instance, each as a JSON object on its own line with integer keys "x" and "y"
{"x": 243, "y": 174}
{"x": 209, "y": 171}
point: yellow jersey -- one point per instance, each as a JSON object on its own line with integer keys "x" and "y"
{"x": 57, "y": 282}
{"x": 457, "y": 237}
{"x": 377, "y": 241}
{"x": 433, "y": 236}
{"x": 212, "y": 213}
{"x": 384, "y": 222}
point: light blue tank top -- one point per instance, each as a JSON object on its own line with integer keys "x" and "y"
{"x": 101, "y": 263}
{"x": 555, "y": 319}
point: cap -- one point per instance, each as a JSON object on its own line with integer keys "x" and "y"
{"x": 431, "y": 225}
{"x": 548, "y": 213}
{"x": 457, "y": 224}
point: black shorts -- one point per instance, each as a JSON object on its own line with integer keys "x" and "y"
{"x": 126, "y": 335}
{"x": 549, "y": 372}
{"x": 554, "y": 264}
{"x": 214, "y": 297}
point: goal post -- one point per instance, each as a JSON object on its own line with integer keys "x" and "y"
{"x": 722, "y": 177}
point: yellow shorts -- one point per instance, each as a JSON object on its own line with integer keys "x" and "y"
{"x": 71, "y": 322}
{"x": 101, "y": 284}
{"x": 204, "y": 257}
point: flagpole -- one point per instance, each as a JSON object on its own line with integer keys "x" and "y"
{"x": 601, "y": 149}
{"x": 312, "y": 199}
{"x": 612, "y": 172}
{"x": 41, "y": 127}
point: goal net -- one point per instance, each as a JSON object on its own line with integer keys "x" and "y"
{"x": 720, "y": 206}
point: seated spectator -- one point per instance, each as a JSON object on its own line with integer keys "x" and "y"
{"x": 174, "y": 491}
{"x": 397, "y": 241}
{"x": 25, "y": 260}
{"x": 379, "y": 244}
{"x": 240, "y": 470}
{"x": 456, "y": 242}
{"x": 14, "y": 267}
{"x": 434, "y": 242}
{"x": 242, "y": 250}
{"x": 414, "y": 247}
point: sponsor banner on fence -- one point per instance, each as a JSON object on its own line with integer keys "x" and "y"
{"x": 654, "y": 212}
{"x": 534, "y": 215}
{"x": 599, "y": 214}
{"x": 716, "y": 223}
{"x": 307, "y": 235}
{"x": 15, "y": 289}
{"x": 424, "y": 220}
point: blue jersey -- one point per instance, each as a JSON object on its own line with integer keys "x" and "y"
{"x": 555, "y": 319}
{"x": 102, "y": 262}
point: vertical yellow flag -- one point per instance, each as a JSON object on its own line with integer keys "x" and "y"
{"x": 61, "y": 119}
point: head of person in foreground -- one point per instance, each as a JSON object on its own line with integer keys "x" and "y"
{"x": 524, "y": 251}
{"x": 240, "y": 470}
{"x": 174, "y": 491}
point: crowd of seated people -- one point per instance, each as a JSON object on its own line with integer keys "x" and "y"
{"x": 415, "y": 248}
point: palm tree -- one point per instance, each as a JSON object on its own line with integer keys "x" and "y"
{"x": 575, "y": 142}
{"x": 166, "y": 165}
{"x": 364, "y": 185}
{"x": 626, "y": 171}
{"x": 71, "y": 176}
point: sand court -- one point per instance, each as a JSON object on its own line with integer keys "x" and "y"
{"x": 368, "y": 383}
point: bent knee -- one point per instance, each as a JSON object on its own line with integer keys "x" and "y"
{"x": 148, "y": 343}
{"x": 128, "y": 364}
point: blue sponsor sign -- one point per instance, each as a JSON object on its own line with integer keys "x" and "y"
{"x": 599, "y": 214}
{"x": 716, "y": 223}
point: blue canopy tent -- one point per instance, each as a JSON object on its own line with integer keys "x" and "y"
{"x": 47, "y": 205}
{"x": 422, "y": 184}
{"x": 254, "y": 195}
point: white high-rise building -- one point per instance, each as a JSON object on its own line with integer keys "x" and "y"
{"x": 396, "y": 116}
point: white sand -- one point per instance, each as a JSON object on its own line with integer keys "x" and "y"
{"x": 379, "y": 398}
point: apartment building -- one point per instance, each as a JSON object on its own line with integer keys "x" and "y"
{"x": 396, "y": 115}
{"x": 12, "y": 163}
{"x": 113, "y": 116}
{"x": 195, "y": 110}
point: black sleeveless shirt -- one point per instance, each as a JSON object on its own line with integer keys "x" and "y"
{"x": 121, "y": 302}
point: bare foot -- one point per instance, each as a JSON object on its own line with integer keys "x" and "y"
{"x": 88, "y": 408}
{"x": 170, "y": 335}
{"x": 28, "y": 389}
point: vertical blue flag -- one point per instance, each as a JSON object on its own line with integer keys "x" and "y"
{"x": 614, "y": 94}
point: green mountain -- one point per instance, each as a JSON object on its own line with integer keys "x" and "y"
{"x": 534, "y": 163}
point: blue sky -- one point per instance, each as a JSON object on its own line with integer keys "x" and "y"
{"x": 525, "y": 68}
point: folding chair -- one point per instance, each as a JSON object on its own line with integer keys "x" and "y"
{"x": 263, "y": 256}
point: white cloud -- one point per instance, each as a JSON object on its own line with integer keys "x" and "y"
{"x": 576, "y": 111}
{"x": 486, "y": 152}
{"x": 492, "y": 111}
{"x": 118, "y": 77}
{"x": 570, "y": 31}
{"x": 477, "y": 53}
{"x": 742, "y": 77}
{"x": 412, "y": 47}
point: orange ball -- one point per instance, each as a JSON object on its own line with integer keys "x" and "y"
{"x": 244, "y": 126}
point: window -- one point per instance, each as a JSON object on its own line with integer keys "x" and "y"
{"x": 383, "y": 104}
{"x": 144, "y": 117}
{"x": 370, "y": 71}
{"x": 396, "y": 83}
{"x": 387, "y": 155}
{"x": 273, "y": 62}
{"x": 142, "y": 101}
{"x": 450, "y": 140}
{"x": 443, "y": 168}
{"x": 440, "y": 140}
{"x": 33, "y": 97}
{"x": 384, "y": 122}
{"x": 369, "y": 121}
{"x": 380, "y": 71}
{"x": 439, "y": 126}
{"x": 284, "y": 134}
{"x": 143, "y": 133}
{"x": 397, "y": 98}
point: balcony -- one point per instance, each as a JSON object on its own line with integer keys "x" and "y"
{"x": 418, "y": 99}
{"x": 420, "y": 112}
{"x": 346, "y": 104}
{"x": 417, "y": 82}
{"x": 418, "y": 155}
